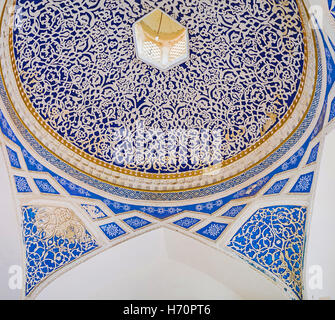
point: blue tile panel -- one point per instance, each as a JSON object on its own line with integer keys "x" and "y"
{"x": 136, "y": 222}
{"x": 169, "y": 196}
{"x": 332, "y": 110}
{"x": 304, "y": 183}
{"x": 66, "y": 104}
{"x": 45, "y": 187}
{"x": 21, "y": 184}
{"x": 277, "y": 187}
{"x": 330, "y": 75}
{"x": 165, "y": 212}
{"x": 314, "y": 154}
{"x": 13, "y": 158}
{"x": 162, "y": 212}
{"x": 274, "y": 239}
{"x": 112, "y": 230}
{"x": 331, "y": 6}
{"x": 186, "y": 222}
{"x": 213, "y": 230}
{"x": 234, "y": 211}
{"x": 48, "y": 250}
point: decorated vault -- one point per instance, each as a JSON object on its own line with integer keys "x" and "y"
{"x": 202, "y": 117}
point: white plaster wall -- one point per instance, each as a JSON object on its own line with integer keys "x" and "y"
{"x": 10, "y": 249}
{"x": 320, "y": 254}
{"x": 161, "y": 264}
{"x": 10, "y": 242}
{"x": 321, "y": 243}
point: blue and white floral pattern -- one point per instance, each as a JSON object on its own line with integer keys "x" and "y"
{"x": 86, "y": 77}
{"x": 332, "y": 110}
{"x": 234, "y": 211}
{"x": 187, "y": 222}
{"x": 21, "y": 184}
{"x": 314, "y": 154}
{"x": 165, "y": 196}
{"x": 45, "y": 187}
{"x": 277, "y": 187}
{"x": 49, "y": 247}
{"x": 331, "y": 76}
{"x": 5, "y": 128}
{"x": 128, "y": 193}
{"x": 31, "y": 162}
{"x": 274, "y": 239}
{"x": 72, "y": 188}
{"x": 253, "y": 188}
{"x": 294, "y": 161}
{"x": 13, "y": 158}
{"x": 160, "y": 212}
{"x": 330, "y": 79}
{"x": 136, "y": 222}
{"x": 304, "y": 183}
{"x": 213, "y": 230}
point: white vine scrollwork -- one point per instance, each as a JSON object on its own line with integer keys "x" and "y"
{"x": 77, "y": 65}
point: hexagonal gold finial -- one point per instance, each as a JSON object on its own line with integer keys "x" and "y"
{"x": 160, "y": 40}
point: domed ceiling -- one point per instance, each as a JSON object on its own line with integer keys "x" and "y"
{"x": 203, "y": 117}
{"x": 231, "y": 104}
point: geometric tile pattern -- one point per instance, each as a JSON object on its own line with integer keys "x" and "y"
{"x": 303, "y": 184}
{"x": 277, "y": 187}
{"x": 8, "y": 132}
{"x": 332, "y": 110}
{"x": 136, "y": 222}
{"x": 294, "y": 161}
{"x": 45, "y": 187}
{"x": 112, "y": 230}
{"x": 331, "y": 6}
{"x": 274, "y": 238}
{"x": 314, "y": 154}
{"x": 208, "y": 207}
{"x": 157, "y": 212}
{"x": 49, "y": 247}
{"x": 13, "y": 158}
{"x": 31, "y": 163}
{"x": 253, "y": 189}
{"x": 89, "y": 131}
{"x": 186, "y": 222}
{"x": 213, "y": 230}
{"x": 234, "y": 211}
{"x": 21, "y": 184}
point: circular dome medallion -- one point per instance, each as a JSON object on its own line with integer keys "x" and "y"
{"x": 78, "y": 86}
